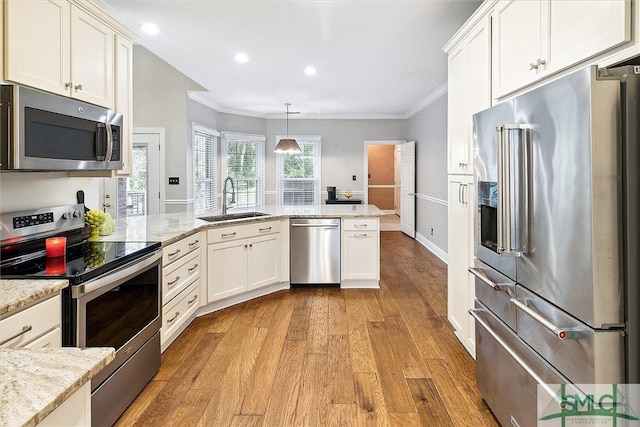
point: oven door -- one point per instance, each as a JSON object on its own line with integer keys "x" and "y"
{"x": 120, "y": 310}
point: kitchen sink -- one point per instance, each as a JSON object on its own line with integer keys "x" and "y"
{"x": 230, "y": 216}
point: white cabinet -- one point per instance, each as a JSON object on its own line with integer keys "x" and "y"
{"x": 460, "y": 283}
{"x": 360, "y": 263}
{"x": 34, "y": 327}
{"x": 532, "y": 39}
{"x": 73, "y": 412}
{"x": 242, "y": 258}
{"x": 57, "y": 47}
{"x": 124, "y": 98}
{"x": 469, "y": 91}
{"x": 181, "y": 269}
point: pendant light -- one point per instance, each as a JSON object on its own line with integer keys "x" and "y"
{"x": 287, "y": 145}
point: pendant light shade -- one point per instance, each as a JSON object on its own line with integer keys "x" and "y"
{"x": 287, "y": 145}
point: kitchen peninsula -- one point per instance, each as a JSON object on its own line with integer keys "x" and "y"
{"x": 210, "y": 265}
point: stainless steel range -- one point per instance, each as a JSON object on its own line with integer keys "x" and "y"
{"x": 557, "y": 232}
{"x": 113, "y": 299}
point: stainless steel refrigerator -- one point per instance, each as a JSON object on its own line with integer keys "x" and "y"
{"x": 556, "y": 270}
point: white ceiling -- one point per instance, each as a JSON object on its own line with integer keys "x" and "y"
{"x": 375, "y": 58}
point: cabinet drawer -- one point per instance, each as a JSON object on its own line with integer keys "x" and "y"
{"x": 179, "y": 274}
{"x": 263, "y": 227}
{"x": 224, "y": 234}
{"x": 179, "y": 249}
{"x": 179, "y": 310}
{"x": 34, "y": 321}
{"x": 359, "y": 224}
{"x": 51, "y": 339}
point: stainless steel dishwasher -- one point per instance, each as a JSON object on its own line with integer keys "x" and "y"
{"x": 315, "y": 251}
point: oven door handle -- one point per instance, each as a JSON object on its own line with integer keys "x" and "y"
{"x": 115, "y": 276}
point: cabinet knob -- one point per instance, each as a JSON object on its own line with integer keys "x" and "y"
{"x": 78, "y": 87}
{"x": 68, "y": 85}
{"x": 533, "y": 66}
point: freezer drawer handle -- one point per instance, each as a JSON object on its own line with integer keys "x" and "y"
{"x": 561, "y": 333}
{"x": 475, "y": 313}
{"x": 480, "y": 274}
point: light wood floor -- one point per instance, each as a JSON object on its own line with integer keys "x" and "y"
{"x": 324, "y": 357}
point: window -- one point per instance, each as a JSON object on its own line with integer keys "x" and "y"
{"x": 243, "y": 160}
{"x": 205, "y": 160}
{"x": 298, "y": 174}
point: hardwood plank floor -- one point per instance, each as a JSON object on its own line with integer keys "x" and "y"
{"x": 324, "y": 357}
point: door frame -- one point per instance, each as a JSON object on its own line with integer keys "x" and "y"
{"x": 161, "y": 159}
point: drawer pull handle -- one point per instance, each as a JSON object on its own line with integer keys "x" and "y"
{"x": 24, "y": 330}
{"x": 265, "y": 229}
{"x": 225, "y": 235}
{"x": 172, "y": 254}
{"x": 361, "y": 225}
{"x": 195, "y": 297}
{"x": 174, "y": 282}
{"x": 480, "y": 274}
{"x": 192, "y": 269}
{"x": 560, "y": 333}
{"x": 361, "y": 235}
{"x": 192, "y": 244}
{"x": 174, "y": 317}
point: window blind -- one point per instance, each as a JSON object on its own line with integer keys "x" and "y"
{"x": 205, "y": 152}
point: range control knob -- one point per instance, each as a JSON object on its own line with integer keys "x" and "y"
{"x": 67, "y": 215}
{"x": 77, "y": 213}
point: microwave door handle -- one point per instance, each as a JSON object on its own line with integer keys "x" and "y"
{"x": 101, "y": 136}
{"x": 107, "y": 154}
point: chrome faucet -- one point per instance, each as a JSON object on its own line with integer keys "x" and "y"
{"x": 224, "y": 194}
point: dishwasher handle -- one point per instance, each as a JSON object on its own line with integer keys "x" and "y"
{"x": 316, "y": 225}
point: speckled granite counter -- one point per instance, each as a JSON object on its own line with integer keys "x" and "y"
{"x": 36, "y": 381}
{"x": 171, "y": 227}
{"x": 15, "y": 294}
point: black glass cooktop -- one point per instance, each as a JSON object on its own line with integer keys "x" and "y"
{"x": 83, "y": 261}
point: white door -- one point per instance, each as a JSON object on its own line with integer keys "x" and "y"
{"x": 408, "y": 189}
{"x": 143, "y": 186}
{"x": 397, "y": 178}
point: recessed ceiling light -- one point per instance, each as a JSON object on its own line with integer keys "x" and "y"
{"x": 310, "y": 71}
{"x": 241, "y": 58}
{"x": 149, "y": 28}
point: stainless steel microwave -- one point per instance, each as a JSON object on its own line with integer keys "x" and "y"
{"x": 45, "y": 132}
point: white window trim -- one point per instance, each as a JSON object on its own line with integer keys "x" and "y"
{"x": 279, "y": 166}
{"x": 198, "y": 128}
{"x": 260, "y": 157}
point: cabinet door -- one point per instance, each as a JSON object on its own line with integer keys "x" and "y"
{"x": 124, "y": 98}
{"x": 264, "y": 260}
{"x": 458, "y": 132}
{"x": 581, "y": 29}
{"x": 460, "y": 283}
{"x": 360, "y": 259}
{"x": 516, "y": 34}
{"x": 226, "y": 269}
{"x": 91, "y": 59}
{"x": 42, "y": 59}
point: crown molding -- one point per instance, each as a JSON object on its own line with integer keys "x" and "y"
{"x": 433, "y": 97}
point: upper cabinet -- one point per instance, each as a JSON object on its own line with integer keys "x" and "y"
{"x": 67, "y": 52}
{"x": 533, "y": 39}
{"x": 469, "y": 91}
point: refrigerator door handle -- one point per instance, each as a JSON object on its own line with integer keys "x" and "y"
{"x": 480, "y": 274}
{"x": 512, "y": 218}
{"x": 559, "y": 332}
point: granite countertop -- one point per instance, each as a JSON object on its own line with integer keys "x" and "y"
{"x": 15, "y": 294}
{"x": 171, "y": 227}
{"x": 36, "y": 381}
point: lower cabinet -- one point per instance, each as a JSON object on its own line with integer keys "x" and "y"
{"x": 75, "y": 411}
{"x": 360, "y": 265}
{"x": 460, "y": 286}
{"x": 180, "y": 286}
{"x": 242, "y": 258}
{"x": 37, "y": 326}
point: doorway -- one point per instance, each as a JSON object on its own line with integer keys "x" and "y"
{"x": 390, "y": 169}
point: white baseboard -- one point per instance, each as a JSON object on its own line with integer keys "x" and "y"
{"x": 432, "y": 248}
